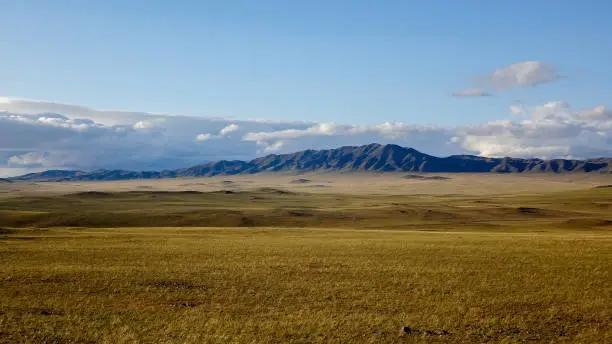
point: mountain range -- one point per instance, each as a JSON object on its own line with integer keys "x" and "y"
{"x": 372, "y": 158}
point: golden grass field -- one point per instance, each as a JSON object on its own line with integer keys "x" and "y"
{"x": 262, "y": 259}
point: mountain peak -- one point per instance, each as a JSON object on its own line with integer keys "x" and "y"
{"x": 373, "y": 157}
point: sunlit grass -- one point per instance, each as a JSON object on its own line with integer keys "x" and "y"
{"x": 269, "y": 266}
{"x": 343, "y": 286}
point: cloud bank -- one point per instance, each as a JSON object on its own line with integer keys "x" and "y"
{"x": 36, "y": 135}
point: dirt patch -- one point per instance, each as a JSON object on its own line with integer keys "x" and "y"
{"x": 186, "y": 192}
{"x": 529, "y": 210}
{"x": 174, "y": 284}
{"x": 421, "y": 177}
{"x": 299, "y": 213}
{"x": 225, "y": 192}
{"x": 604, "y": 186}
{"x": 275, "y": 191}
{"x": 432, "y": 214}
{"x": 185, "y": 304}
{"x": 101, "y": 194}
{"x": 93, "y": 194}
{"x": 44, "y": 311}
{"x": 407, "y": 331}
{"x": 159, "y": 193}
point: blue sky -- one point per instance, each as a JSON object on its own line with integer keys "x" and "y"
{"x": 88, "y": 84}
{"x": 341, "y": 61}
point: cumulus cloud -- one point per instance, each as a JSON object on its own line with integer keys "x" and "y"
{"x": 43, "y": 135}
{"x": 550, "y": 130}
{"x": 319, "y": 129}
{"x": 143, "y": 125}
{"x": 471, "y": 92}
{"x": 273, "y": 141}
{"x": 229, "y": 129}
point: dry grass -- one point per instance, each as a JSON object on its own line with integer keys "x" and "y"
{"x": 267, "y": 207}
{"x": 497, "y": 267}
{"x": 342, "y": 183}
{"x": 303, "y": 286}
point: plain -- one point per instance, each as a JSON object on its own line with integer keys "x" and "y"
{"x": 303, "y": 259}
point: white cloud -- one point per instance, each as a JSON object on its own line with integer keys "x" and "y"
{"x": 29, "y": 159}
{"x": 228, "y": 129}
{"x": 143, "y": 125}
{"x": 550, "y": 130}
{"x": 203, "y": 137}
{"x": 273, "y": 147}
{"x": 523, "y": 74}
{"x": 36, "y": 135}
{"x": 471, "y": 92}
{"x": 40, "y": 159}
{"x": 17, "y": 171}
{"x": 320, "y": 135}
{"x": 316, "y": 130}
{"x": 273, "y": 141}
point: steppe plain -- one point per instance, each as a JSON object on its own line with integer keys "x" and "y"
{"x": 315, "y": 258}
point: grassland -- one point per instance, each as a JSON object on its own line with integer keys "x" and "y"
{"x": 299, "y": 264}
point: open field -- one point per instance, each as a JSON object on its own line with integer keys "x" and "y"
{"x": 343, "y": 183}
{"x": 472, "y": 202}
{"x": 491, "y": 259}
{"x": 302, "y": 286}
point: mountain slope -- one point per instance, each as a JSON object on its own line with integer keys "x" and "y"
{"x": 372, "y": 157}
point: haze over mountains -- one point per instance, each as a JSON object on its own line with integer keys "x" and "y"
{"x": 367, "y": 158}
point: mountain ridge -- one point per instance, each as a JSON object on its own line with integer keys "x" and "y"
{"x": 371, "y": 158}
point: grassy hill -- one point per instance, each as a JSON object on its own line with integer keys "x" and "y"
{"x": 269, "y": 207}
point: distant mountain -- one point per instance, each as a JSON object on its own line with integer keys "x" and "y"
{"x": 372, "y": 158}
{"x": 2, "y": 180}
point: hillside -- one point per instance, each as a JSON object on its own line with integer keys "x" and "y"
{"x": 370, "y": 158}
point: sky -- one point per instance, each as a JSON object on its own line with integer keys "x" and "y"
{"x": 151, "y": 84}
